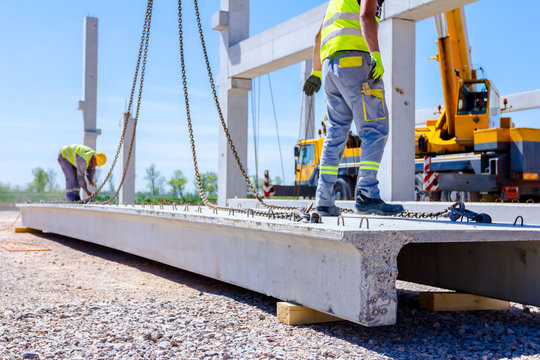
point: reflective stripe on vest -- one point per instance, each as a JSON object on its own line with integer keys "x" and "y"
{"x": 70, "y": 153}
{"x": 341, "y": 28}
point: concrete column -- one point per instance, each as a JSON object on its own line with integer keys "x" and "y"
{"x": 307, "y": 122}
{"x": 127, "y": 194}
{"x": 233, "y": 22}
{"x": 88, "y": 105}
{"x": 397, "y": 41}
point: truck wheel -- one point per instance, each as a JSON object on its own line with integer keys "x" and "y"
{"x": 342, "y": 189}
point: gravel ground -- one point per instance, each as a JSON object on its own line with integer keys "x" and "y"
{"x": 83, "y": 301}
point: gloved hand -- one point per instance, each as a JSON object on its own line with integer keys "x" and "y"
{"x": 377, "y": 70}
{"x": 313, "y": 83}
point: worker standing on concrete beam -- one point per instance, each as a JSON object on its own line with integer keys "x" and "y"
{"x": 78, "y": 162}
{"x": 347, "y": 47}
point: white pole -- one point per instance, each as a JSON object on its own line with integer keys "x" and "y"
{"x": 88, "y": 105}
{"x": 127, "y": 194}
{"x": 307, "y": 122}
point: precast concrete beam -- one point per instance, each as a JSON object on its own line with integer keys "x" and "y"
{"x": 292, "y": 41}
{"x": 503, "y": 213}
{"x": 127, "y": 194}
{"x": 234, "y": 100}
{"x": 346, "y": 270}
{"x": 88, "y": 106}
{"x": 416, "y": 10}
{"x": 527, "y": 100}
{"x": 281, "y": 46}
{"x": 396, "y": 174}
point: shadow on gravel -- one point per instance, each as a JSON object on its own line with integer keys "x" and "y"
{"x": 418, "y": 334}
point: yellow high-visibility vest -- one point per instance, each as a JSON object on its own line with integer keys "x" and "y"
{"x": 341, "y": 28}
{"x": 69, "y": 153}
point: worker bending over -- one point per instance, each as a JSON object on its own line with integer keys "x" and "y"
{"x": 78, "y": 162}
{"x": 348, "y": 48}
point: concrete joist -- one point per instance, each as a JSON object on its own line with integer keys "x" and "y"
{"x": 416, "y": 10}
{"x": 526, "y": 100}
{"x": 347, "y": 269}
{"x": 284, "y": 45}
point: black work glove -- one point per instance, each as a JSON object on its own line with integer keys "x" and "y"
{"x": 312, "y": 85}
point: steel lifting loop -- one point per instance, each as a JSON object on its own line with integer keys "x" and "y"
{"x": 199, "y": 209}
{"x": 161, "y": 207}
{"x": 231, "y": 211}
{"x": 186, "y": 208}
{"x": 517, "y": 218}
{"x": 272, "y": 214}
{"x": 250, "y": 212}
{"x": 174, "y": 206}
{"x": 215, "y": 211}
{"x": 530, "y": 201}
{"x": 362, "y": 222}
{"x": 239, "y": 206}
{"x": 341, "y": 220}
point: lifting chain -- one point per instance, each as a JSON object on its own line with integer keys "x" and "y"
{"x": 405, "y": 214}
{"x": 143, "y": 54}
{"x": 202, "y": 194}
{"x": 292, "y": 213}
{"x": 220, "y": 113}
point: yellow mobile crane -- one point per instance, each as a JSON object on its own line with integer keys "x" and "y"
{"x": 472, "y": 149}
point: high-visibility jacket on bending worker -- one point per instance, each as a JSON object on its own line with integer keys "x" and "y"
{"x": 341, "y": 28}
{"x": 79, "y": 156}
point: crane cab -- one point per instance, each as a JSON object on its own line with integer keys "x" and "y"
{"x": 478, "y": 108}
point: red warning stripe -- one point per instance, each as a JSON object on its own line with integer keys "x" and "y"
{"x": 431, "y": 181}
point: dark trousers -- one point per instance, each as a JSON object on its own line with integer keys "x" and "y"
{"x": 72, "y": 185}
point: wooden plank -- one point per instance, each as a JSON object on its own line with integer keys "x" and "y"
{"x": 292, "y": 314}
{"x": 27, "y": 230}
{"x": 449, "y": 301}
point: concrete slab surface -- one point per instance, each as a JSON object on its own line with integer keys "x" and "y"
{"x": 337, "y": 269}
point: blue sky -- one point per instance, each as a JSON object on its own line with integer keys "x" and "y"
{"x": 41, "y": 79}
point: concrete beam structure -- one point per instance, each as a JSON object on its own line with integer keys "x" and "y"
{"x": 88, "y": 106}
{"x": 343, "y": 270}
{"x": 416, "y": 10}
{"x": 292, "y": 41}
{"x": 127, "y": 194}
{"x": 527, "y": 100}
{"x": 396, "y": 174}
{"x": 499, "y": 212}
{"x": 283, "y": 45}
{"x": 233, "y": 22}
{"x": 307, "y": 120}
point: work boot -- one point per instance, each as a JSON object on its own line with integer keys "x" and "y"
{"x": 365, "y": 205}
{"x": 329, "y": 210}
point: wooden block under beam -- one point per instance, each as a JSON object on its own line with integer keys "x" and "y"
{"x": 292, "y": 314}
{"x": 27, "y": 230}
{"x": 449, "y": 301}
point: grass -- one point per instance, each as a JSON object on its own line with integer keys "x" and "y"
{"x": 11, "y": 197}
